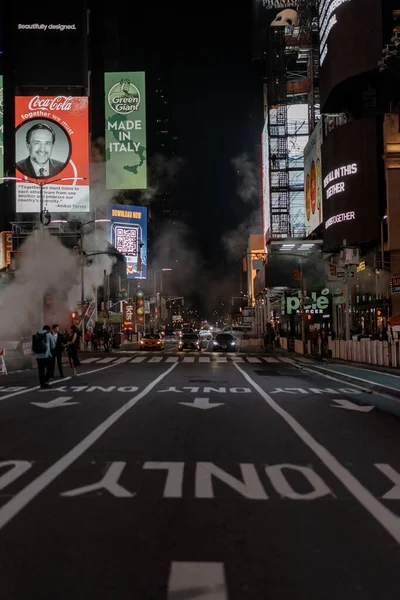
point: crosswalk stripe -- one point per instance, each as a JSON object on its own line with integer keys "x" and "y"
{"x": 269, "y": 359}
{"x": 188, "y": 359}
{"x": 172, "y": 359}
{"x": 204, "y": 359}
{"x": 106, "y": 360}
{"x": 237, "y": 359}
{"x": 156, "y": 359}
{"x": 139, "y": 359}
{"x": 287, "y": 360}
{"x": 122, "y": 360}
{"x": 252, "y": 359}
{"x": 86, "y": 361}
{"x": 222, "y": 359}
{"x": 206, "y": 577}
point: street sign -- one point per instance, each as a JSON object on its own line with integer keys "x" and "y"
{"x": 342, "y": 274}
{"x": 395, "y": 285}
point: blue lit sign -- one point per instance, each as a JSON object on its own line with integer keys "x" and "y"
{"x": 128, "y": 235}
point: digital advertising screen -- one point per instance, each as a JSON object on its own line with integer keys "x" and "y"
{"x": 49, "y": 44}
{"x": 125, "y": 131}
{"x": 313, "y": 179}
{"x": 350, "y": 155}
{"x": 350, "y": 40}
{"x": 52, "y": 151}
{"x": 127, "y": 232}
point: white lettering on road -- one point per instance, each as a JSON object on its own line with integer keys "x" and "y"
{"x": 204, "y": 579}
{"x": 388, "y": 520}
{"x": 11, "y": 508}
{"x": 251, "y": 486}
{"x": 174, "y": 481}
{"x": 240, "y": 390}
{"x": 170, "y": 389}
{"x": 394, "y": 476}
{"x": 108, "y": 483}
{"x": 98, "y": 388}
{"x": 220, "y": 390}
{"x": 194, "y": 390}
{"x": 128, "y": 388}
{"x": 284, "y": 489}
{"x": 18, "y": 468}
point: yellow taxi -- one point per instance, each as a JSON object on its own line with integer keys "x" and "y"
{"x": 152, "y": 341}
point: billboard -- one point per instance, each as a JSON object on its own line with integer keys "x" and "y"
{"x": 126, "y": 232}
{"x": 52, "y": 151}
{"x": 5, "y": 248}
{"x": 57, "y": 38}
{"x": 313, "y": 179}
{"x": 350, "y": 40}
{"x": 266, "y": 212}
{"x": 125, "y": 135}
{"x": 350, "y": 155}
{"x": 1, "y": 130}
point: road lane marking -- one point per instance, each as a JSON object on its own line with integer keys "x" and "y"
{"x": 389, "y": 521}
{"x": 237, "y": 359}
{"x": 269, "y": 359}
{"x": 202, "y": 403}
{"x": 122, "y": 360}
{"x": 9, "y": 510}
{"x": 325, "y": 371}
{"x": 287, "y": 360}
{"x": 37, "y": 387}
{"x": 155, "y": 359}
{"x": 139, "y": 359}
{"x": 222, "y": 359}
{"x": 172, "y": 359}
{"x": 106, "y": 360}
{"x": 347, "y": 405}
{"x": 60, "y": 401}
{"x": 204, "y": 359}
{"x": 188, "y": 359}
{"x": 86, "y": 361}
{"x": 251, "y": 359}
{"x": 205, "y": 580}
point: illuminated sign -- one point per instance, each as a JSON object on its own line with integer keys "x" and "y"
{"x": 315, "y": 304}
{"x": 313, "y": 179}
{"x": 350, "y": 156}
{"x": 52, "y": 149}
{"x": 5, "y": 248}
{"x": 125, "y": 113}
{"x": 128, "y": 235}
{"x": 1, "y": 130}
{"x": 128, "y": 315}
{"x": 327, "y": 20}
{"x": 395, "y": 285}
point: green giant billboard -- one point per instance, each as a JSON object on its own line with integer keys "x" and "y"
{"x": 125, "y": 139}
{"x": 1, "y": 129}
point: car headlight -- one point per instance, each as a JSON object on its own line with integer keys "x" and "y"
{"x": 158, "y": 342}
{"x": 215, "y": 343}
{"x": 141, "y": 341}
{"x": 233, "y": 343}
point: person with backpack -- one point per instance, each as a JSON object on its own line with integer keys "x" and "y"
{"x": 42, "y": 347}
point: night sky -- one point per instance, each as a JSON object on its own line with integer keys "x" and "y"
{"x": 204, "y": 57}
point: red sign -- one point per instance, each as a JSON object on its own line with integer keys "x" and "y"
{"x": 5, "y": 248}
{"x": 128, "y": 315}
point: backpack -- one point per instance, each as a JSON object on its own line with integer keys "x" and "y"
{"x": 39, "y": 345}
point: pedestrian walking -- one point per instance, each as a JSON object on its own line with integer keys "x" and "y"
{"x": 72, "y": 349}
{"x": 42, "y": 347}
{"x": 57, "y": 353}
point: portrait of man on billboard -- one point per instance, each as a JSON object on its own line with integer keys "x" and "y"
{"x": 47, "y": 147}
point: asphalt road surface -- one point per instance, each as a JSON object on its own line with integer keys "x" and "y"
{"x": 195, "y": 476}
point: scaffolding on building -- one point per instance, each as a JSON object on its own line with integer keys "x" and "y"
{"x": 292, "y": 78}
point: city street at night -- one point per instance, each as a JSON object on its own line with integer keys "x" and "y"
{"x": 220, "y": 477}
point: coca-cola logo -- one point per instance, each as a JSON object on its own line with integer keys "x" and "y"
{"x": 57, "y": 103}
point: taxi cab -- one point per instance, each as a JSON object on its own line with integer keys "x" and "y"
{"x": 152, "y": 341}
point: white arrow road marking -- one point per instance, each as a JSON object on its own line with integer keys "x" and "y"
{"x": 201, "y": 580}
{"x": 60, "y": 401}
{"x": 202, "y": 403}
{"x": 347, "y": 405}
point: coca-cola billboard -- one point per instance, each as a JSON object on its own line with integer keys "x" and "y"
{"x": 52, "y": 153}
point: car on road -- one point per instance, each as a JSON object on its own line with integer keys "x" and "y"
{"x": 189, "y": 341}
{"x": 225, "y": 342}
{"x": 152, "y": 341}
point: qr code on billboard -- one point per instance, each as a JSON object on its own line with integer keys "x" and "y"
{"x": 126, "y": 240}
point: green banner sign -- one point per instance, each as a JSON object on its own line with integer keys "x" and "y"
{"x": 1, "y": 130}
{"x": 125, "y": 139}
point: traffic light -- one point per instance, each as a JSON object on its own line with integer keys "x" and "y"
{"x": 333, "y": 270}
{"x": 296, "y": 274}
{"x": 139, "y": 302}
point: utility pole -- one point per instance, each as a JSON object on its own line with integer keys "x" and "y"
{"x": 346, "y": 288}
